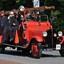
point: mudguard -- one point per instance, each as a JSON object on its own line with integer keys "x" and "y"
{"x": 38, "y": 38}
{"x": 61, "y": 42}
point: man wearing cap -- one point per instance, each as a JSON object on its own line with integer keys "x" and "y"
{"x": 22, "y": 12}
{"x": 13, "y": 25}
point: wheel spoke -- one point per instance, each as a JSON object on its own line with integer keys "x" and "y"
{"x": 35, "y": 49}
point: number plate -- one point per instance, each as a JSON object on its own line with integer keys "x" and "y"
{"x": 58, "y": 46}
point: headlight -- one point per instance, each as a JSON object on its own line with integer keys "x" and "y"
{"x": 44, "y": 34}
{"x": 60, "y": 33}
{"x": 55, "y": 34}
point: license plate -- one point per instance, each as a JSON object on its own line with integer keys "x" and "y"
{"x": 58, "y": 46}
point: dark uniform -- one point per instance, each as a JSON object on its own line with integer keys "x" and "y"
{"x": 18, "y": 17}
{"x": 13, "y": 26}
{"x": 5, "y": 26}
{"x": 0, "y": 25}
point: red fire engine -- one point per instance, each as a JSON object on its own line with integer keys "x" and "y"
{"x": 36, "y": 34}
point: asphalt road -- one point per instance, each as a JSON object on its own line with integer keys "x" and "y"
{"x": 46, "y": 58}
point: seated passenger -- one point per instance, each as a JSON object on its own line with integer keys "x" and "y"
{"x": 28, "y": 16}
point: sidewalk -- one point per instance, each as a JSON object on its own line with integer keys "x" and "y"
{"x": 7, "y": 62}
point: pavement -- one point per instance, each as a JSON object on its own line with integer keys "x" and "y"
{"x": 8, "y": 62}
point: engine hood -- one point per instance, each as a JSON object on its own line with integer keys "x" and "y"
{"x": 34, "y": 25}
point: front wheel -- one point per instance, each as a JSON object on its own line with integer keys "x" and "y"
{"x": 62, "y": 52}
{"x": 2, "y": 49}
{"x": 36, "y": 49}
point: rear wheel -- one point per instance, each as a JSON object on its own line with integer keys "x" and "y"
{"x": 36, "y": 49}
{"x": 62, "y": 52}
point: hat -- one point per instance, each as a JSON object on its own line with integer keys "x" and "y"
{"x": 21, "y": 8}
{"x": 11, "y": 13}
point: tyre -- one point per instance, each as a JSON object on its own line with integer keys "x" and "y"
{"x": 2, "y": 49}
{"x": 62, "y": 52}
{"x": 18, "y": 49}
{"x": 36, "y": 49}
{"x": 25, "y": 51}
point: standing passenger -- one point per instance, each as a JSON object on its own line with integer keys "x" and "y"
{"x": 5, "y": 26}
{"x": 0, "y": 23}
{"x": 13, "y": 25}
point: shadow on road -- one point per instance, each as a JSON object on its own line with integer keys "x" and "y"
{"x": 18, "y": 53}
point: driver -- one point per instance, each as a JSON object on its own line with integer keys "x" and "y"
{"x": 38, "y": 18}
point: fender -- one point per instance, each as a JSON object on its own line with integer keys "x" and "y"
{"x": 38, "y": 38}
{"x": 62, "y": 40}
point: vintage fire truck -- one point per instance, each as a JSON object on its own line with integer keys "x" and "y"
{"x": 36, "y": 34}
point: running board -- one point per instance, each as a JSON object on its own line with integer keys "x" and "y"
{"x": 14, "y": 45}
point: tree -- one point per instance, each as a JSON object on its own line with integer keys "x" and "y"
{"x": 59, "y": 11}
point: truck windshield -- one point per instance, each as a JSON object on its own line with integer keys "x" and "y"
{"x": 36, "y": 16}
{"x": 42, "y": 18}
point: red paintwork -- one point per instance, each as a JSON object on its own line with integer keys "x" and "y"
{"x": 35, "y": 49}
{"x": 34, "y": 29}
{"x": 61, "y": 41}
{"x": 0, "y": 39}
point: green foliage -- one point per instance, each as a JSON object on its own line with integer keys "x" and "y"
{"x": 59, "y": 12}
{"x": 0, "y": 4}
{"x": 61, "y": 1}
{"x": 55, "y": 13}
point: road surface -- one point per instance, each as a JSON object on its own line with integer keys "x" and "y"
{"x": 52, "y": 57}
